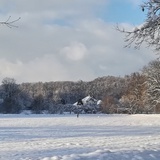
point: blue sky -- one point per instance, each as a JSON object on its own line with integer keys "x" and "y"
{"x": 121, "y": 11}
{"x": 113, "y": 11}
{"x": 58, "y": 40}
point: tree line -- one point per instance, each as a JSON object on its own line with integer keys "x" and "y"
{"x": 135, "y": 93}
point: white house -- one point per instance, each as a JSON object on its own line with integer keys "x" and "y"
{"x": 90, "y": 105}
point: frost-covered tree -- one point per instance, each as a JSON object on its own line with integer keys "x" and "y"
{"x": 37, "y": 105}
{"x": 149, "y": 31}
{"x": 152, "y": 72}
{"x": 10, "y": 95}
{"x": 134, "y": 97}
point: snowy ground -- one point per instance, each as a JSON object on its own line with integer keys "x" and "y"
{"x": 89, "y": 137}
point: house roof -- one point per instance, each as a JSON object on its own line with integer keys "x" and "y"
{"x": 89, "y": 101}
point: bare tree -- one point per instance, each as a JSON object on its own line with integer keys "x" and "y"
{"x": 149, "y": 31}
{"x": 109, "y": 105}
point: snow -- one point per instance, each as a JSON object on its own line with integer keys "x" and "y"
{"x": 89, "y": 137}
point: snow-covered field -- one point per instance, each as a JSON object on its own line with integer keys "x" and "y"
{"x": 89, "y": 137}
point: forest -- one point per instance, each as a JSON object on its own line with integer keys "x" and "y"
{"x": 136, "y": 93}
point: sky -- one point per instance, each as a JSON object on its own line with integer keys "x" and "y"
{"x": 69, "y": 40}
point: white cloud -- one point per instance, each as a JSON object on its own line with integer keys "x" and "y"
{"x": 76, "y": 51}
{"x": 77, "y": 46}
{"x": 9, "y": 69}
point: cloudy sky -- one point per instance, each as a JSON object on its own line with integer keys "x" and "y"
{"x": 59, "y": 40}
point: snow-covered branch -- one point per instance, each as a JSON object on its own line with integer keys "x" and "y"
{"x": 149, "y": 31}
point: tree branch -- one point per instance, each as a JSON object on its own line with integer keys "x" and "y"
{"x": 149, "y": 31}
{"x": 10, "y": 23}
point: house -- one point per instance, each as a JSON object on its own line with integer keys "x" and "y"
{"x": 87, "y": 105}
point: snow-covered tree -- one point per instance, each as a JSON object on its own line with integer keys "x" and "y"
{"x": 134, "y": 97}
{"x": 149, "y": 31}
{"x": 37, "y": 105}
{"x": 152, "y": 72}
{"x": 10, "y": 95}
